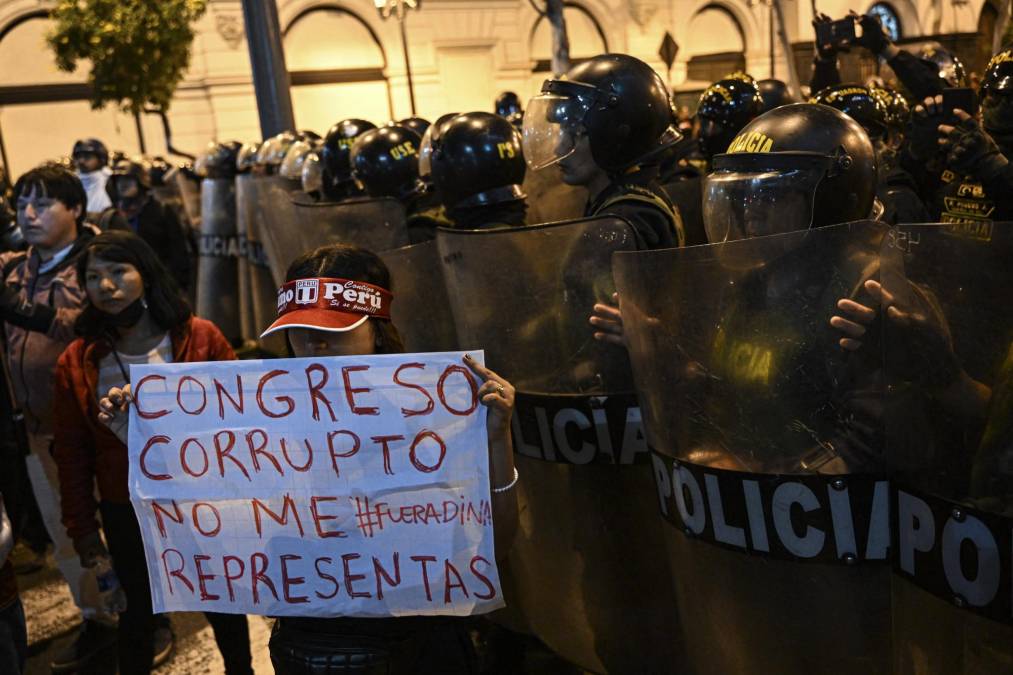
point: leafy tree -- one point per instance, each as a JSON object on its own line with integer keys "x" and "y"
{"x": 138, "y": 49}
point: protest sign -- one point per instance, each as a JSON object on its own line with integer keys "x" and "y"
{"x": 339, "y": 486}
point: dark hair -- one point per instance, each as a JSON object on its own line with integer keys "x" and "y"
{"x": 166, "y": 305}
{"x": 56, "y": 182}
{"x": 344, "y": 261}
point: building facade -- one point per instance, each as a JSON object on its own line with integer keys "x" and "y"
{"x": 344, "y": 61}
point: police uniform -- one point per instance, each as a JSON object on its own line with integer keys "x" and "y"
{"x": 637, "y": 198}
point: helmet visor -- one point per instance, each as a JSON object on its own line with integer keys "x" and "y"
{"x": 426, "y": 153}
{"x": 291, "y": 166}
{"x": 745, "y": 204}
{"x": 552, "y": 125}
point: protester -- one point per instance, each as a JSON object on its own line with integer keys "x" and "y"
{"x": 39, "y": 304}
{"x": 134, "y": 315}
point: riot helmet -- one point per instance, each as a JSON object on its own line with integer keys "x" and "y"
{"x": 90, "y": 147}
{"x": 430, "y": 140}
{"x": 951, "y": 69}
{"x": 617, "y": 101}
{"x": 385, "y": 162}
{"x": 795, "y": 167}
{"x": 417, "y": 124}
{"x": 478, "y": 161}
{"x": 898, "y": 112}
{"x": 508, "y": 106}
{"x": 219, "y": 160}
{"x": 774, "y": 94}
{"x": 246, "y": 158}
{"x": 858, "y": 103}
{"x": 337, "y": 149}
{"x": 272, "y": 152}
{"x": 291, "y": 166}
{"x": 996, "y": 94}
{"x": 725, "y": 107}
{"x": 313, "y": 175}
{"x": 128, "y": 185}
{"x": 307, "y": 135}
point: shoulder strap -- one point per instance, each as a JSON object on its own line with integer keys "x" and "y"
{"x": 636, "y": 193}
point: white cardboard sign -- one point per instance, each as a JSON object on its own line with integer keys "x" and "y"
{"x": 339, "y": 486}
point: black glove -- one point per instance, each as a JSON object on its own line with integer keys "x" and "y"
{"x": 973, "y": 152}
{"x": 824, "y": 52}
{"x": 20, "y": 312}
{"x": 923, "y": 135}
{"x": 872, "y": 38}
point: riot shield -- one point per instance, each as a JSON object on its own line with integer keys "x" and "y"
{"x": 190, "y": 195}
{"x": 550, "y": 200}
{"x": 421, "y": 309}
{"x": 262, "y": 298}
{"x": 246, "y": 211}
{"x": 764, "y": 444}
{"x": 688, "y": 196}
{"x": 588, "y": 575}
{"x": 218, "y": 257}
{"x": 954, "y": 490}
{"x": 293, "y": 225}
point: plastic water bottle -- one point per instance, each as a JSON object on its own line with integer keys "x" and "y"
{"x": 111, "y": 595}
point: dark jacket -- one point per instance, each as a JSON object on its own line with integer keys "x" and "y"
{"x": 637, "y": 198}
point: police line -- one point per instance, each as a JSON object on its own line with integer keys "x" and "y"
{"x": 958, "y": 553}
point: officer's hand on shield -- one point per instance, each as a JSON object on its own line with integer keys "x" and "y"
{"x": 608, "y": 322}
{"x": 114, "y": 410}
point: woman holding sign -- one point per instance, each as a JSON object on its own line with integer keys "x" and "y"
{"x": 135, "y": 315}
{"x": 301, "y": 646}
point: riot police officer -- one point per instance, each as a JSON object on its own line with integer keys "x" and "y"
{"x": 91, "y": 159}
{"x": 508, "y": 105}
{"x": 477, "y": 170}
{"x": 335, "y": 158}
{"x": 725, "y": 107}
{"x": 896, "y": 189}
{"x": 605, "y": 124}
{"x": 967, "y": 178}
{"x": 385, "y": 162}
{"x": 129, "y": 189}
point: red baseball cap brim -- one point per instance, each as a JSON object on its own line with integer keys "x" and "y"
{"x": 317, "y": 319}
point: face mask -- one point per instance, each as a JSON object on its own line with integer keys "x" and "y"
{"x": 130, "y": 315}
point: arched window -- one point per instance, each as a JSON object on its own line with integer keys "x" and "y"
{"x": 888, "y": 18}
{"x": 336, "y": 65}
{"x": 43, "y": 110}
{"x": 716, "y": 45}
{"x": 586, "y": 38}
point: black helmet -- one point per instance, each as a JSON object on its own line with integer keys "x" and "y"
{"x": 158, "y": 168}
{"x": 91, "y": 146}
{"x": 337, "y": 149}
{"x": 431, "y": 140}
{"x": 998, "y": 74}
{"x": 951, "y": 68}
{"x": 774, "y": 94}
{"x": 996, "y": 99}
{"x": 478, "y": 161}
{"x": 386, "y": 162}
{"x": 508, "y": 103}
{"x": 272, "y": 152}
{"x": 797, "y": 166}
{"x": 417, "y": 124}
{"x": 898, "y": 112}
{"x": 127, "y": 169}
{"x": 858, "y": 103}
{"x": 617, "y": 100}
{"x": 220, "y": 159}
{"x": 307, "y": 135}
{"x": 725, "y": 107}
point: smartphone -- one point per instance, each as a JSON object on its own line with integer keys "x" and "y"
{"x": 840, "y": 33}
{"x": 963, "y": 98}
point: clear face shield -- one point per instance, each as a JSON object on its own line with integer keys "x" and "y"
{"x": 554, "y": 120}
{"x": 761, "y": 195}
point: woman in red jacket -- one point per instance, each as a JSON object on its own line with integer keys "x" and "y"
{"x": 135, "y": 315}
